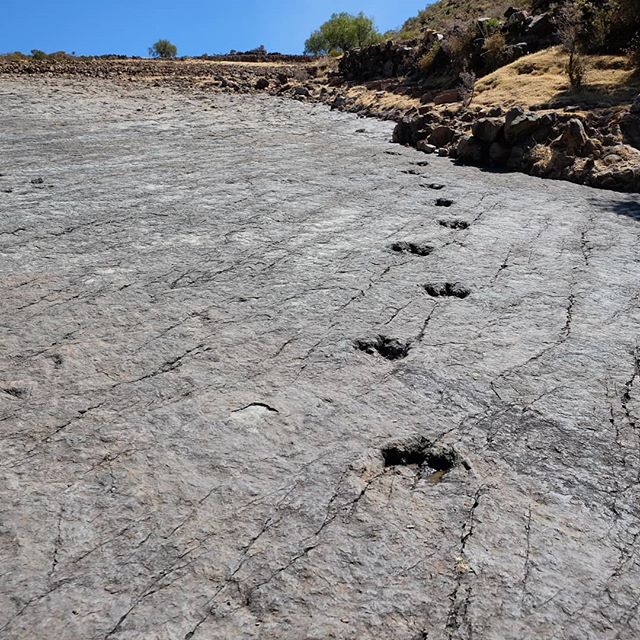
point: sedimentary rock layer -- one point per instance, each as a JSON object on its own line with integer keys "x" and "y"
{"x": 254, "y": 383}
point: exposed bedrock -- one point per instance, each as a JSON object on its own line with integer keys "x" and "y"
{"x": 255, "y": 383}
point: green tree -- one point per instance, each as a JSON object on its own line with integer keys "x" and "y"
{"x": 342, "y": 32}
{"x": 163, "y": 49}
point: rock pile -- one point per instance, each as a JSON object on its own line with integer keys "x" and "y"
{"x": 294, "y": 80}
{"x": 386, "y": 60}
{"x": 550, "y": 145}
{"x": 523, "y": 33}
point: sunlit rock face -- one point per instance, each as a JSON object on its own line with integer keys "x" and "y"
{"x": 256, "y": 383}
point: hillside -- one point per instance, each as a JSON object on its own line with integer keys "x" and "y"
{"x": 447, "y": 12}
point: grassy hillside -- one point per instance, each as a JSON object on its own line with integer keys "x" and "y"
{"x": 541, "y": 77}
{"x": 444, "y": 13}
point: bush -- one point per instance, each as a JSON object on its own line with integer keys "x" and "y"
{"x": 490, "y": 27}
{"x": 342, "y": 32}
{"x": 607, "y": 26}
{"x": 570, "y": 31}
{"x": 467, "y": 87}
{"x": 36, "y": 54}
{"x": 163, "y": 49}
{"x": 15, "y": 56}
{"x": 427, "y": 60}
{"x": 495, "y": 51}
{"x": 459, "y": 47}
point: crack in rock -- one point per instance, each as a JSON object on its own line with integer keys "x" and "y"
{"x": 257, "y": 405}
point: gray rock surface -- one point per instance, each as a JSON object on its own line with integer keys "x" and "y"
{"x": 230, "y": 408}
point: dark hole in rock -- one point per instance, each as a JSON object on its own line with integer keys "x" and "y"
{"x": 421, "y": 163}
{"x": 412, "y": 247}
{"x": 393, "y": 153}
{"x": 446, "y": 290}
{"x": 389, "y": 348}
{"x": 430, "y": 463}
{"x": 361, "y": 131}
{"x": 57, "y": 359}
{"x": 455, "y": 224}
{"x": 15, "y": 392}
{"x": 411, "y": 172}
{"x": 433, "y": 185}
{"x": 443, "y": 202}
{"x": 37, "y": 181}
{"x": 8, "y": 190}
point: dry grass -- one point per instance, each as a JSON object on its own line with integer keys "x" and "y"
{"x": 541, "y": 77}
{"x": 368, "y": 98}
{"x": 445, "y": 13}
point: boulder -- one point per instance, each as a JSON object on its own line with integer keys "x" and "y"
{"x": 517, "y": 23}
{"x": 302, "y": 92}
{"x": 522, "y": 126}
{"x": 573, "y": 139}
{"x": 338, "y": 102}
{"x": 516, "y": 160}
{"x": 499, "y": 153}
{"x": 630, "y": 125}
{"x": 540, "y": 27}
{"x": 261, "y": 84}
{"x": 426, "y": 147}
{"x": 447, "y": 97}
{"x": 403, "y": 133}
{"x": 441, "y": 136}
{"x": 487, "y": 129}
{"x": 470, "y": 150}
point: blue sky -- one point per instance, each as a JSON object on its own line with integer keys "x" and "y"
{"x": 195, "y": 26}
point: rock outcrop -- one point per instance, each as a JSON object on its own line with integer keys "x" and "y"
{"x": 265, "y": 376}
{"x": 630, "y": 124}
{"x": 386, "y": 60}
{"x": 550, "y": 145}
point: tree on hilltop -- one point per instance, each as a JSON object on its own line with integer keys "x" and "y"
{"x": 342, "y": 32}
{"x": 163, "y": 49}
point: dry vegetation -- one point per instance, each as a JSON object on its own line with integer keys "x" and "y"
{"x": 541, "y": 77}
{"x": 445, "y": 13}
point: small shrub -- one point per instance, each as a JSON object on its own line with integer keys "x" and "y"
{"x": 15, "y": 56}
{"x": 491, "y": 26}
{"x": 459, "y": 46}
{"x": 577, "y": 70}
{"x": 163, "y": 49}
{"x": 36, "y": 54}
{"x": 570, "y": 31}
{"x": 495, "y": 51}
{"x": 467, "y": 87}
{"x": 427, "y": 60}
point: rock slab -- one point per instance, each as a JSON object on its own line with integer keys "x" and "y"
{"x": 254, "y": 383}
